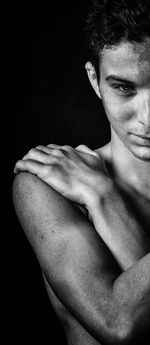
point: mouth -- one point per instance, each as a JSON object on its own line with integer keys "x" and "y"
{"x": 141, "y": 139}
{"x": 142, "y": 136}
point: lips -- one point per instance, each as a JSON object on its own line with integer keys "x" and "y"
{"x": 142, "y": 136}
{"x": 141, "y": 139}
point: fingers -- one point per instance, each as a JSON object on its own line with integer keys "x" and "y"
{"x": 80, "y": 148}
{"x": 28, "y": 165}
{"x": 54, "y": 146}
{"x": 54, "y": 155}
{"x": 60, "y": 151}
{"x": 36, "y": 159}
{"x": 67, "y": 148}
{"x": 43, "y": 148}
{"x": 40, "y": 156}
{"x": 85, "y": 149}
{"x": 43, "y": 155}
{"x": 51, "y": 154}
{"x": 35, "y": 154}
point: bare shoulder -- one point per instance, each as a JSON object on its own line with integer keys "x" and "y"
{"x": 26, "y": 184}
{"x": 30, "y": 191}
{"x": 51, "y": 223}
{"x": 35, "y": 201}
{"x": 54, "y": 226}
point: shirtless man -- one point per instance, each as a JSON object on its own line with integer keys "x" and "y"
{"x": 87, "y": 213}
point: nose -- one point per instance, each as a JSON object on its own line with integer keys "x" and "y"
{"x": 143, "y": 112}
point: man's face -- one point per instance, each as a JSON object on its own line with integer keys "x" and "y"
{"x": 125, "y": 91}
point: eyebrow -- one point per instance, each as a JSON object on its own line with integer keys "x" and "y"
{"x": 120, "y": 79}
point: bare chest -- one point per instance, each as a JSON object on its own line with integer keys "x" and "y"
{"x": 141, "y": 208}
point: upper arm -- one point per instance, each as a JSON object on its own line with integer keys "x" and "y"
{"x": 74, "y": 259}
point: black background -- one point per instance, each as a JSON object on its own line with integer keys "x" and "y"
{"x": 52, "y": 102}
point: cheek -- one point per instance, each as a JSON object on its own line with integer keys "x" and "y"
{"x": 118, "y": 111}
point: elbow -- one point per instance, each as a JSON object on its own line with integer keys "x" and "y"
{"x": 133, "y": 332}
{"x": 124, "y": 336}
{"x": 123, "y": 332}
{"x": 120, "y": 329}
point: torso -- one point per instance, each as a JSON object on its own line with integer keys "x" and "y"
{"x": 139, "y": 203}
{"x": 76, "y": 334}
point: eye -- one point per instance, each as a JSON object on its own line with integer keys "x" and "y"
{"x": 124, "y": 89}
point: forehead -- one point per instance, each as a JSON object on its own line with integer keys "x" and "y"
{"x": 130, "y": 60}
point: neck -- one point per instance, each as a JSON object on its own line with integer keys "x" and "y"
{"x": 130, "y": 170}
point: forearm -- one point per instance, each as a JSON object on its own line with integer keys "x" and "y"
{"x": 129, "y": 244}
{"x": 131, "y": 299}
{"x": 118, "y": 227}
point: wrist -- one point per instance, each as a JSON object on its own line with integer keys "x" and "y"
{"x": 99, "y": 193}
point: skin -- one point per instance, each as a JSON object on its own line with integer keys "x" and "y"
{"x": 78, "y": 174}
{"x": 126, "y": 106}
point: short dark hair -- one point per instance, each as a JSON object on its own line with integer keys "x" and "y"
{"x": 111, "y": 21}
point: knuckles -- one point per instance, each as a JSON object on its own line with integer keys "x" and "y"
{"x": 57, "y": 152}
{"x": 58, "y": 155}
{"x": 31, "y": 151}
{"x": 82, "y": 146}
{"x": 67, "y": 148}
{"x": 53, "y": 150}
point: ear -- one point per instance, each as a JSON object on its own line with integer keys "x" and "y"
{"x": 92, "y": 77}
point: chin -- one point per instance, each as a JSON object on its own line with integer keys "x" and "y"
{"x": 142, "y": 153}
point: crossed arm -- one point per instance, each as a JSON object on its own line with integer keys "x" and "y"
{"x": 111, "y": 300}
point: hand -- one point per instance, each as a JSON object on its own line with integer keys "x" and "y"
{"x": 75, "y": 173}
